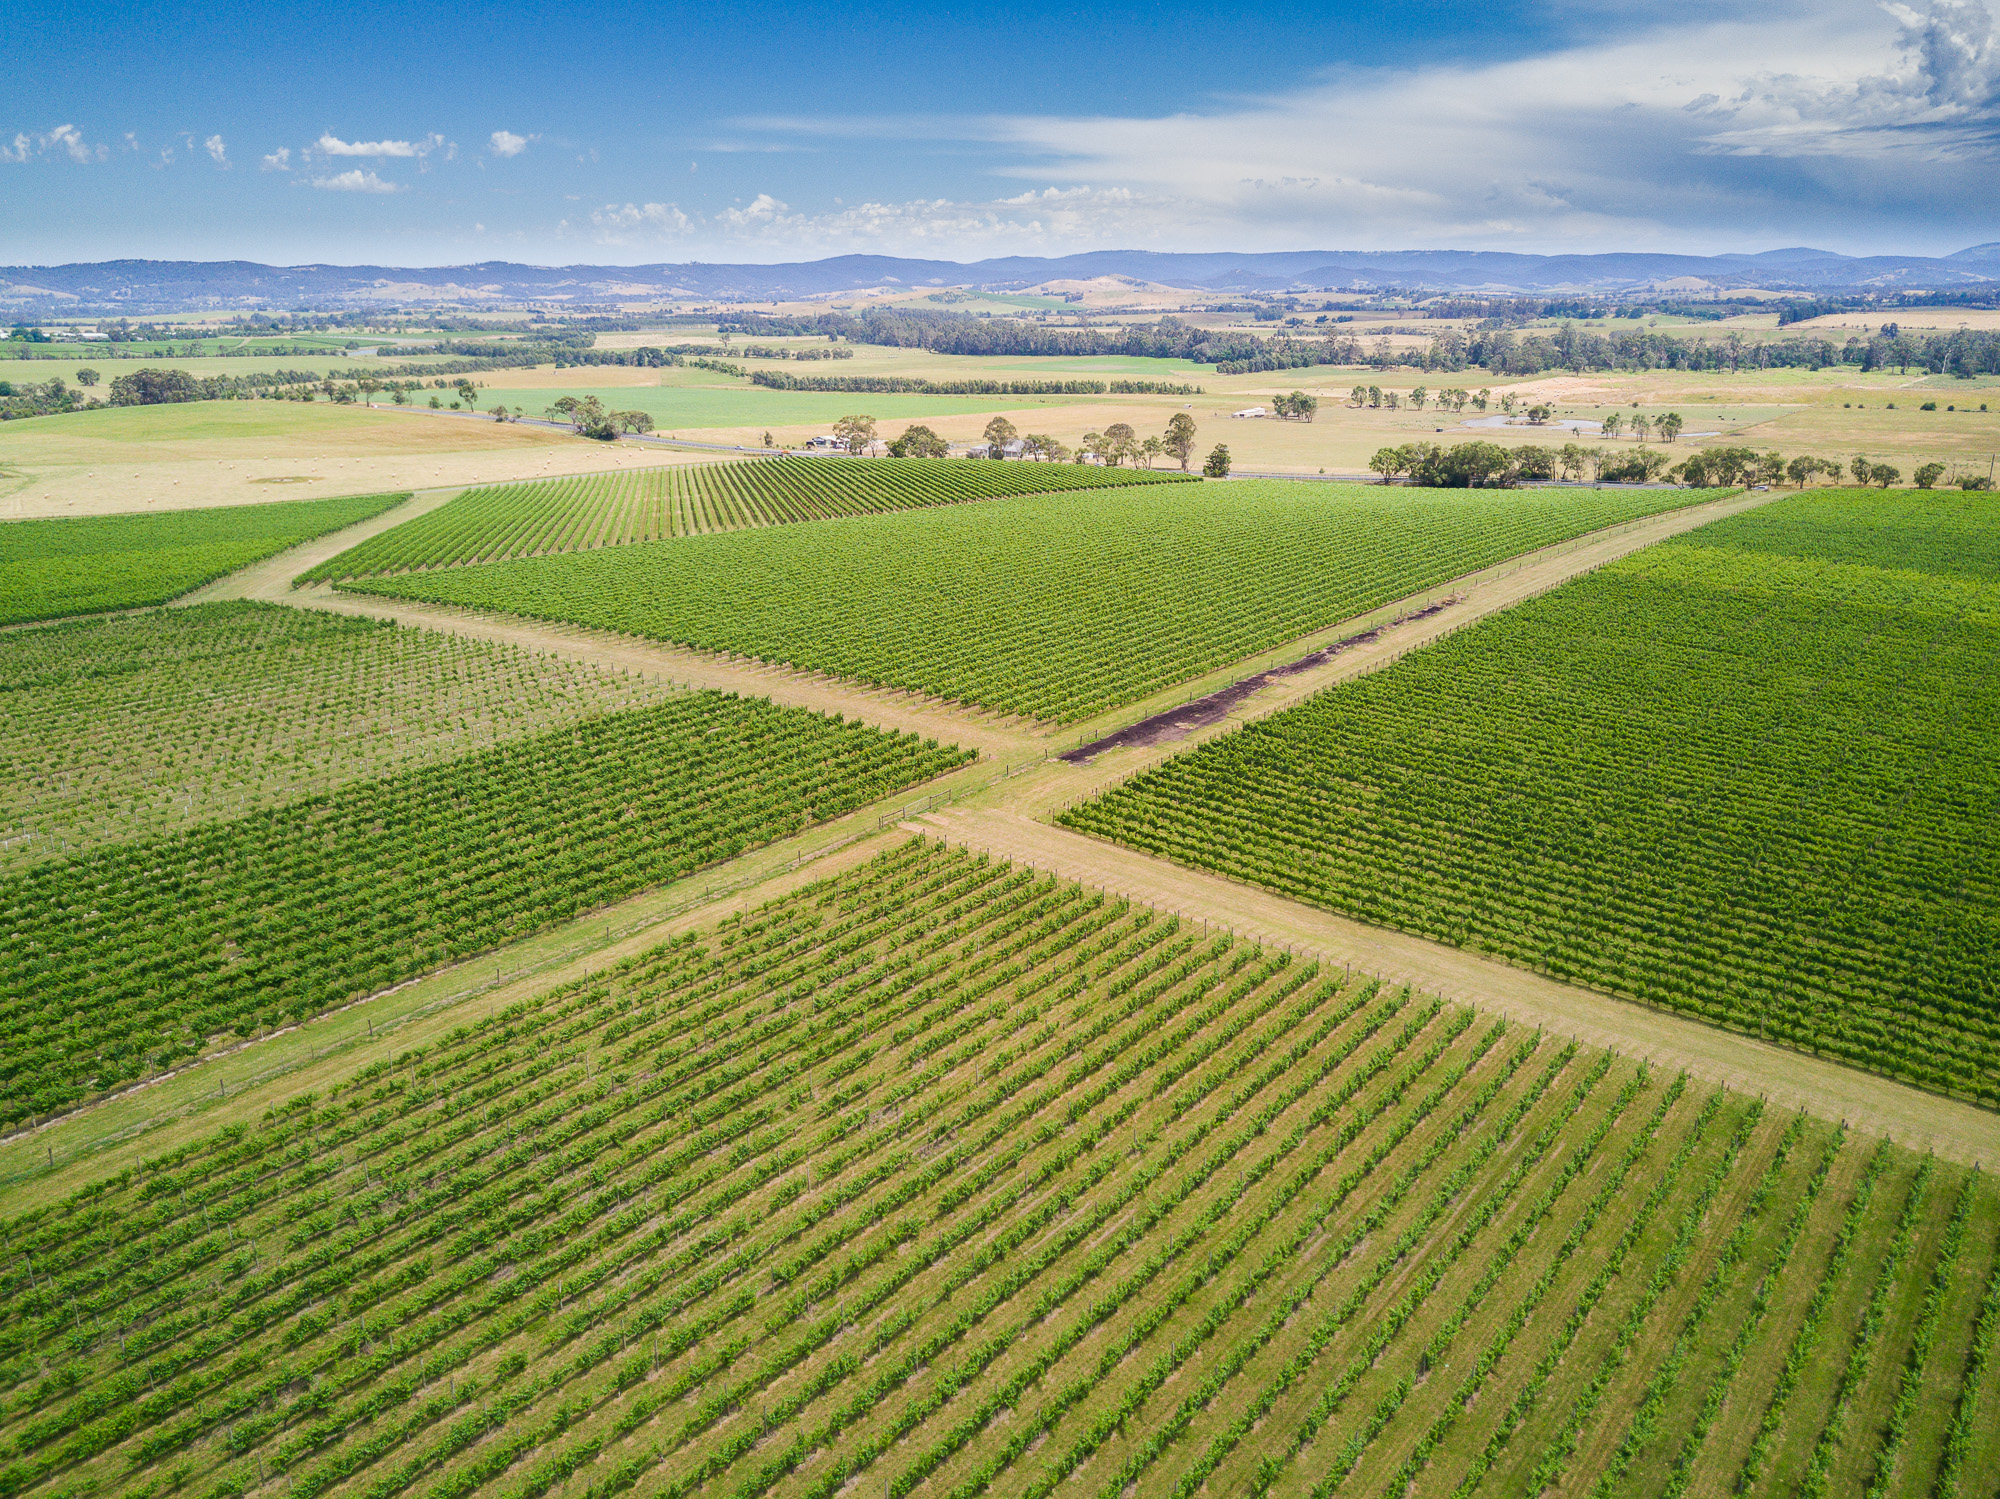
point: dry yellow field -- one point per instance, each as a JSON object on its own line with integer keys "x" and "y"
{"x": 116, "y": 460}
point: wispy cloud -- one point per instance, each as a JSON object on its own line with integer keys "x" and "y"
{"x": 506, "y": 143}
{"x": 638, "y": 223}
{"x": 217, "y": 152}
{"x": 356, "y": 180}
{"x": 64, "y": 140}
{"x": 279, "y": 160}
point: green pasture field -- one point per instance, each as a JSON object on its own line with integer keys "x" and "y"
{"x": 741, "y": 404}
{"x": 131, "y": 956}
{"x": 147, "y": 724}
{"x": 1054, "y": 606}
{"x": 595, "y": 510}
{"x": 943, "y": 1177}
{"x": 1749, "y": 774}
{"x": 54, "y": 568}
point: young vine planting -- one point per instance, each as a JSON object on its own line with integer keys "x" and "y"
{"x": 142, "y": 724}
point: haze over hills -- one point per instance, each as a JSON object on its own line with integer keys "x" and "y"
{"x": 164, "y": 285}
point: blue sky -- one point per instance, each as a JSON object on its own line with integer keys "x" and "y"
{"x": 442, "y": 134}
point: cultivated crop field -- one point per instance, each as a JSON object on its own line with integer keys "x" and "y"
{"x": 53, "y": 568}
{"x": 144, "y": 724}
{"x": 595, "y": 510}
{"x": 945, "y": 1178}
{"x": 1749, "y": 774}
{"x": 1052, "y": 606}
{"x": 125, "y": 958}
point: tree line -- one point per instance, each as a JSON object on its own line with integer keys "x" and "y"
{"x": 1116, "y": 445}
{"x": 916, "y": 384}
{"x": 1490, "y": 465}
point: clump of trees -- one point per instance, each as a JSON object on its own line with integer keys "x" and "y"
{"x": 918, "y": 441}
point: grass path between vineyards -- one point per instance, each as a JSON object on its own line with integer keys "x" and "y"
{"x": 987, "y": 810}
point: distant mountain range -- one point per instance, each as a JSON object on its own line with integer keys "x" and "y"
{"x": 143, "y": 286}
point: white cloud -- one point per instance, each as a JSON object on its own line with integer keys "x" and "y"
{"x": 506, "y": 143}
{"x": 355, "y": 180}
{"x": 332, "y": 145}
{"x": 1826, "y": 120}
{"x": 216, "y": 150}
{"x": 70, "y": 140}
{"x": 279, "y": 160}
{"x": 638, "y": 223}
{"x": 64, "y": 139}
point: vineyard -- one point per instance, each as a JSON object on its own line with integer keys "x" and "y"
{"x": 1749, "y": 774}
{"x": 144, "y": 724}
{"x": 945, "y": 1178}
{"x": 1043, "y": 607}
{"x": 53, "y": 568}
{"x": 597, "y": 510}
{"x": 134, "y": 955}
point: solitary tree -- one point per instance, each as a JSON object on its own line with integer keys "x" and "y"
{"x": 856, "y": 431}
{"x": 1179, "y": 441}
{"x": 1217, "y": 466}
{"x": 767, "y": 441}
{"x": 1610, "y": 425}
{"x": 1928, "y": 474}
{"x": 86, "y": 376}
{"x": 1151, "y": 448}
{"x": 1358, "y": 396}
{"x": 1884, "y": 474}
{"x": 1861, "y": 468}
{"x": 999, "y": 432}
{"x": 1670, "y": 426}
{"x": 1479, "y": 401}
{"x": 1120, "y": 443}
{"x": 1420, "y": 397}
{"x": 1642, "y": 426}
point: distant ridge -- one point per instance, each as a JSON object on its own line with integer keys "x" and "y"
{"x": 140, "y": 286}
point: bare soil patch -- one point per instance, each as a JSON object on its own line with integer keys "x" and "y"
{"x": 1177, "y": 723}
